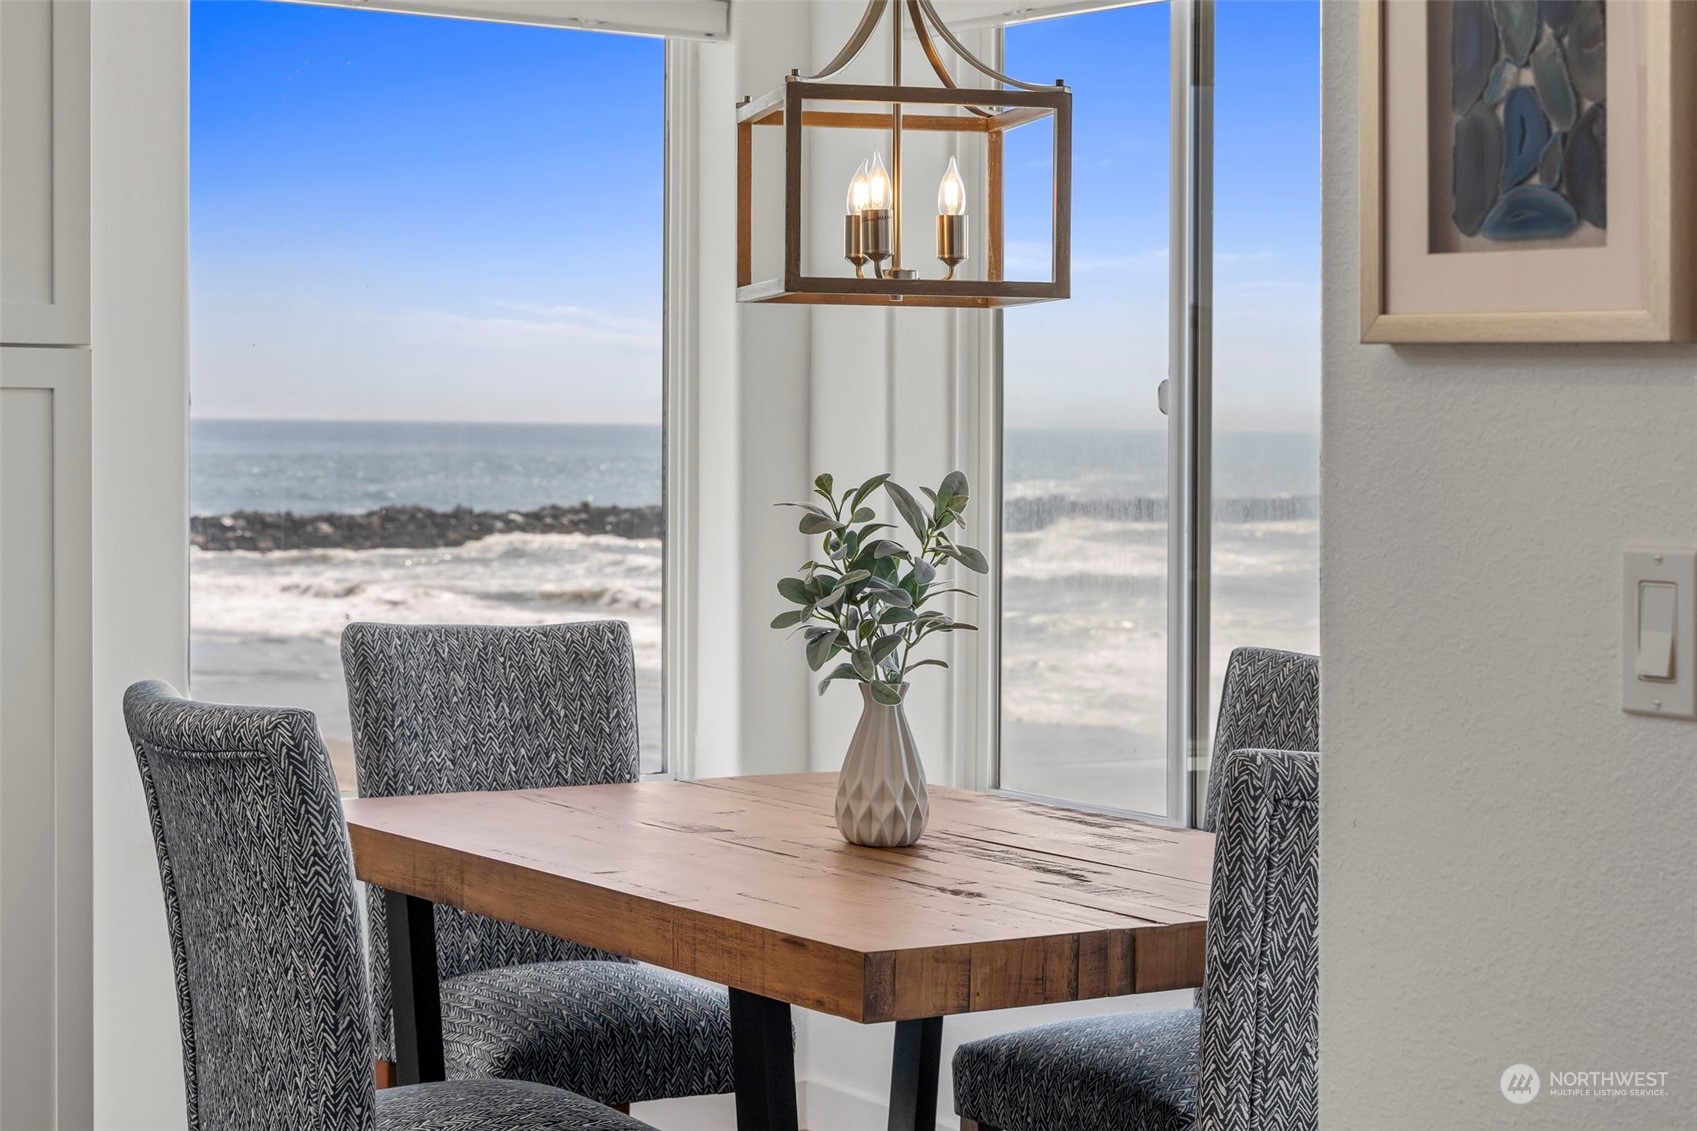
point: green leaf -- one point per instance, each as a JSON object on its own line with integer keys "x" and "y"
{"x": 820, "y": 649}
{"x": 910, "y": 512}
{"x": 897, "y": 597}
{"x": 885, "y": 694}
{"x": 883, "y": 646}
{"x": 928, "y": 664}
{"x": 817, "y": 524}
{"x": 866, "y": 489}
{"x": 831, "y": 598}
{"x": 885, "y": 548}
{"x": 795, "y": 589}
{"x": 954, "y": 487}
{"x": 863, "y": 665}
{"x": 823, "y": 485}
{"x": 924, "y": 572}
{"x": 864, "y": 514}
{"x": 868, "y": 628}
{"x": 855, "y": 575}
{"x": 930, "y": 494}
{"x": 894, "y": 615}
{"x": 972, "y": 559}
{"x": 841, "y": 671}
{"x": 789, "y": 619}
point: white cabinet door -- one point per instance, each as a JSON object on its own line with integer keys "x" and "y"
{"x": 46, "y": 1015}
{"x": 44, "y": 85}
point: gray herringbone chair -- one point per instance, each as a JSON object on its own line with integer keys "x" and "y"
{"x": 1245, "y": 1061}
{"x": 259, "y": 901}
{"x": 1270, "y": 700}
{"x": 446, "y": 708}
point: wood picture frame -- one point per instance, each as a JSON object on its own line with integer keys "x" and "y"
{"x": 1656, "y": 251}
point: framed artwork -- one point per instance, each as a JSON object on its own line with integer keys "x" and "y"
{"x": 1528, "y": 170}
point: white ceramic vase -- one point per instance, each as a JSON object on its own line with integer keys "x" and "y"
{"x": 881, "y": 797}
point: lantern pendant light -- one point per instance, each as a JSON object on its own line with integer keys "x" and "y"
{"x": 877, "y": 271}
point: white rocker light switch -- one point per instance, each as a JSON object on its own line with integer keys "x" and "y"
{"x": 1659, "y": 642}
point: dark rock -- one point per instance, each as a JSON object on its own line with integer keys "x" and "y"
{"x": 1524, "y": 133}
{"x": 1555, "y": 92}
{"x": 1530, "y": 212}
{"x": 1587, "y": 51}
{"x": 1517, "y": 27}
{"x": 1478, "y": 166}
{"x": 411, "y": 527}
{"x": 1473, "y": 49}
{"x": 1585, "y": 166}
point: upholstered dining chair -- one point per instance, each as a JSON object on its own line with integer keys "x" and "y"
{"x": 449, "y": 708}
{"x": 1244, "y": 1061}
{"x": 1270, "y": 700}
{"x": 259, "y": 903}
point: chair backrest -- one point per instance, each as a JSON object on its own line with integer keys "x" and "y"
{"x": 259, "y": 901}
{"x": 1260, "y": 1021}
{"x": 1270, "y": 701}
{"x": 450, "y": 708}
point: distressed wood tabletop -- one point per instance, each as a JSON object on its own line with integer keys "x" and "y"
{"x": 747, "y": 882}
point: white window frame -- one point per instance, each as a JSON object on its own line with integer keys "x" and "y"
{"x": 672, "y": 19}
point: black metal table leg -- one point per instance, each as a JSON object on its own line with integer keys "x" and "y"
{"x": 417, "y": 996}
{"x": 763, "y": 1056}
{"x": 913, "y": 1074}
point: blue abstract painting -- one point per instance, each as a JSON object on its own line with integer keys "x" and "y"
{"x": 1520, "y": 127}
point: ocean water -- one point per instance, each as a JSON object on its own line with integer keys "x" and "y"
{"x": 1084, "y": 565}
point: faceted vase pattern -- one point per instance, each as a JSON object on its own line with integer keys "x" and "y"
{"x": 881, "y": 796}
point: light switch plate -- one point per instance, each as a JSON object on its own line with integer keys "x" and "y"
{"x": 1644, "y": 582}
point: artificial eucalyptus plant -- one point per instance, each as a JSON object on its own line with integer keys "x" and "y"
{"x": 866, "y": 598}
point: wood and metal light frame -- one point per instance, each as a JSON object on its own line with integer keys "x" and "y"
{"x": 878, "y": 268}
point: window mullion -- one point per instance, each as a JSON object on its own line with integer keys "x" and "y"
{"x": 1190, "y": 420}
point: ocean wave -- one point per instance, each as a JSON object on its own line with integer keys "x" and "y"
{"x": 502, "y": 579}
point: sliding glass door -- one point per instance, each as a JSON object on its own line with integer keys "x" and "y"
{"x": 1196, "y": 261}
{"x": 1084, "y": 445}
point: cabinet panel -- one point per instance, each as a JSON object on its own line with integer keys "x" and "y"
{"x": 45, "y": 756}
{"x": 44, "y": 128}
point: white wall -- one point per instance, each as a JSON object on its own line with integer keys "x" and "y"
{"x": 140, "y": 420}
{"x": 1506, "y": 858}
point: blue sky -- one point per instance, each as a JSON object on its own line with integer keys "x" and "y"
{"x": 398, "y": 217}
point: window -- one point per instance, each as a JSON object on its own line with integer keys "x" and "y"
{"x": 1084, "y": 451}
{"x": 1087, "y": 633}
{"x": 1266, "y": 536}
{"x": 426, "y": 300}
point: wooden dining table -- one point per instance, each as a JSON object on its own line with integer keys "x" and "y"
{"x": 747, "y": 882}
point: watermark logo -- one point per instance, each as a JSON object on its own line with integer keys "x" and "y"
{"x": 1520, "y": 1084}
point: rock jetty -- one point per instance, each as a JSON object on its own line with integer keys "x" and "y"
{"x": 411, "y": 527}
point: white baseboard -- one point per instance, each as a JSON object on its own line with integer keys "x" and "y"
{"x": 825, "y": 1106}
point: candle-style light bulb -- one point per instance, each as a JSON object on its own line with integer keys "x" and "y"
{"x": 878, "y": 184}
{"x": 951, "y": 219}
{"x": 854, "y": 240}
{"x": 875, "y": 215}
{"x": 859, "y": 191}
{"x": 951, "y": 193}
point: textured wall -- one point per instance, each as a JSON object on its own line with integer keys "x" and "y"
{"x": 1506, "y": 858}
